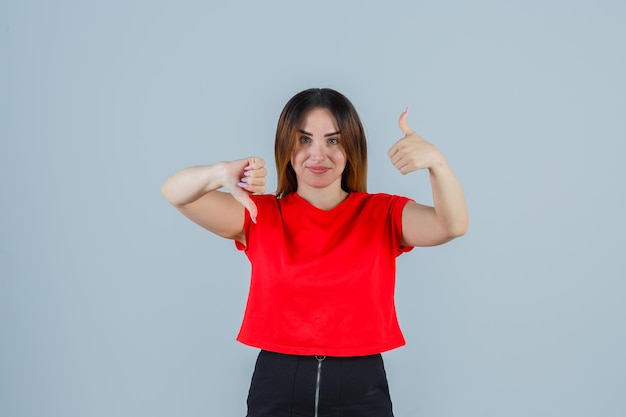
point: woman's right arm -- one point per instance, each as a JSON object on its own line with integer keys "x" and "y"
{"x": 194, "y": 192}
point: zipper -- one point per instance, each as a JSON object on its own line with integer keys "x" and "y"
{"x": 320, "y": 359}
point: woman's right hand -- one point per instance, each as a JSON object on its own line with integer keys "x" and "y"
{"x": 194, "y": 192}
{"x": 244, "y": 177}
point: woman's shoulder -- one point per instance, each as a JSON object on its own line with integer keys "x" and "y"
{"x": 377, "y": 198}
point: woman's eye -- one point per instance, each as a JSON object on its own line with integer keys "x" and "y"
{"x": 333, "y": 141}
{"x": 304, "y": 139}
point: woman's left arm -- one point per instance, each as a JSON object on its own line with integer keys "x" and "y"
{"x": 425, "y": 225}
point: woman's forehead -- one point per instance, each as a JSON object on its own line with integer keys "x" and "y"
{"x": 320, "y": 119}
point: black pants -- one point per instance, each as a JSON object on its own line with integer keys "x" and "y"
{"x": 310, "y": 386}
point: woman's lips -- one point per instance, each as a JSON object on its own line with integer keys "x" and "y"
{"x": 317, "y": 169}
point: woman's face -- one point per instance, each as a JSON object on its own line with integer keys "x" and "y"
{"x": 318, "y": 157}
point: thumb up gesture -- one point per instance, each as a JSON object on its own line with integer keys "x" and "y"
{"x": 412, "y": 152}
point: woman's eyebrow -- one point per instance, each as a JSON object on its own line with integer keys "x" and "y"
{"x": 304, "y": 132}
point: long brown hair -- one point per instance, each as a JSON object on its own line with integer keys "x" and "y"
{"x": 354, "y": 177}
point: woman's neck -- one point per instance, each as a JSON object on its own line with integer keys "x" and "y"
{"x": 324, "y": 199}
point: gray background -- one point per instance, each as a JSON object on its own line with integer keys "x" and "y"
{"x": 112, "y": 304}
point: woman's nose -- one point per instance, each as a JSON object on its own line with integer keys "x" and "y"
{"x": 317, "y": 151}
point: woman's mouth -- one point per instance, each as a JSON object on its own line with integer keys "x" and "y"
{"x": 315, "y": 169}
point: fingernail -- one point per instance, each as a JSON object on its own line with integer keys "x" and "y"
{"x": 407, "y": 111}
{"x": 244, "y": 179}
{"x": 253, "y": 219}
{"x": 248, "y": 168}
{"x": 247, "y": 173}
{"x": 243, "y": 185}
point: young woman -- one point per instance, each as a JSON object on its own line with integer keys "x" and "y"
{"x": 321, "y": 302}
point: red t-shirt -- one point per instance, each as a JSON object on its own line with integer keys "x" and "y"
{"x": 323, "y": 280}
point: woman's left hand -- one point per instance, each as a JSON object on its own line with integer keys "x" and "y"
{"x": 424, "y": 225}
{"x": 412, "y": 152}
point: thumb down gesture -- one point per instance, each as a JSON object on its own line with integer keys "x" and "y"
{"x": 245, "y": 177}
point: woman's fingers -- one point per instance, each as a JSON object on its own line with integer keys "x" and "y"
{"x": 253, "y": 179}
